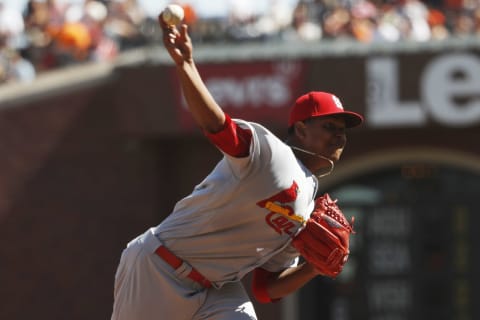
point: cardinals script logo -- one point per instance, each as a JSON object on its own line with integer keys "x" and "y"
{"x": 281, "y": 216}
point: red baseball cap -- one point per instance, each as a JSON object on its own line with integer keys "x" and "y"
{"x": 318, "y": 104}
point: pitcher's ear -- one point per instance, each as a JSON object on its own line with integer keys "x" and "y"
{"x": 299, "y": 129}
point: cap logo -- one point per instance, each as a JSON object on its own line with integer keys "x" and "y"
{"x": 337, "y": 102}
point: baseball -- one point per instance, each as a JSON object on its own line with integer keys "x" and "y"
{"x": 173, "y": 14}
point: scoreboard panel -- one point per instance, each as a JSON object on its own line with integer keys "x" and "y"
{"x": 415, "y": 252}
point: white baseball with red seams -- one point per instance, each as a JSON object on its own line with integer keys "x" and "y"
{"x": 173, "y": 14}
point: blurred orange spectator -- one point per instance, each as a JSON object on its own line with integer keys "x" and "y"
{"x": 74, "y": 38}
{"x": 363, "y": 29}
{"x": 363, "y": 21}
{"x": 436, "y": 20}
{"x": 436, "y": 17}
{"x": 190, "y": 15}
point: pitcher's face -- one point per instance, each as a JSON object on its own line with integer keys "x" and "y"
{"x": 325, "y": 136}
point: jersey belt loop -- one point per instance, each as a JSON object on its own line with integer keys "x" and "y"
{"x": 183, "y": 271}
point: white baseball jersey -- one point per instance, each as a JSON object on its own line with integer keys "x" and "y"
{"x": 245, "y": 212}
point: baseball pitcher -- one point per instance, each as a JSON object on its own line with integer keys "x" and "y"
{"x": 255, "y": 212}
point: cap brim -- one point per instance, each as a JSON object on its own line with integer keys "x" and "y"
{"x": 352, "y": 119}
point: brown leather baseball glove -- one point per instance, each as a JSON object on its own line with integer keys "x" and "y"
{"x": 324, "y": 241}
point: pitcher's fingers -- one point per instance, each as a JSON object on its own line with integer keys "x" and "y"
{"x": 170, "y": 36}
{"x": 184, "y": 32}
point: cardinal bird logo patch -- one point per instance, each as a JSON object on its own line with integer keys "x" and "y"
{"x": 281, "y": 216}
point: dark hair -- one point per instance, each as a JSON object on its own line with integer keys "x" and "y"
{"x": 291, "y": 131}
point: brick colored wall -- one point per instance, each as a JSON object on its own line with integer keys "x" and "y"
{"x": 78, "y": 181}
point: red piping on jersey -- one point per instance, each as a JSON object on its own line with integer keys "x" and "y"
{"x": 232, "y": 139}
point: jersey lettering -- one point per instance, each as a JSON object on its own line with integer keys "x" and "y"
{"x": 280, "y": 223}
{"x": 281, "y": 214}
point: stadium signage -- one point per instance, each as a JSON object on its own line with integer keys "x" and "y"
{"x": 449, "y": 92}
{"x": 260, "y": 91}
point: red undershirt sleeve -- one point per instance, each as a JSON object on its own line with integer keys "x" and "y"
{"x": 232, "y": 139}
{"x": 259, "y": 286}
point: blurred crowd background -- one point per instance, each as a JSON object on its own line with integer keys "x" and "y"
{"x": 41, "y": 35}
